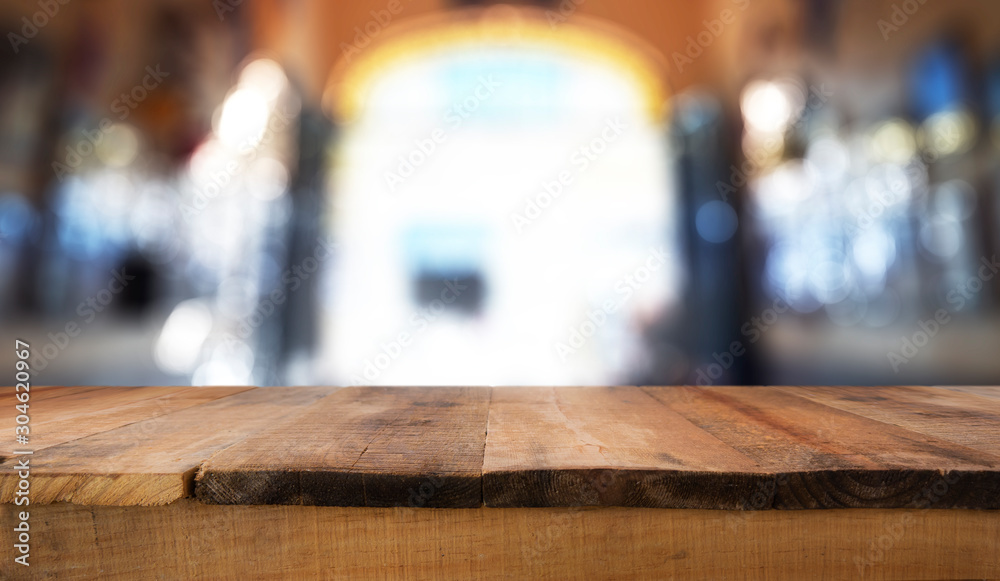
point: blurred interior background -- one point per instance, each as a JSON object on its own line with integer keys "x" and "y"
{"x": 547, "y": 192}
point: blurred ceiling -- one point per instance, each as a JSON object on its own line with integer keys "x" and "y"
{"x": 309, "y": 35}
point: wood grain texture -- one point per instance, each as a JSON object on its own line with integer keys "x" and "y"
{"x": 678, "y": 447}
{"x": 824, "y": 457}
{"x": 189, "y": 540}
{"x": 152, "y": 461}
{"x": 614, "y": 446}
{"x": 44, "y": 392}
{"x": 964, "y": 418}
{"x": 362, "y": 447}
{"x": 61, "y": 401}
{"x": 990, "y": 391}
{"x": 69, "y": 414}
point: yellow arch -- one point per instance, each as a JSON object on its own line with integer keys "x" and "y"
{"x": 419, "y": 37}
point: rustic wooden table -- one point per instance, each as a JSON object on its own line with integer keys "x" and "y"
{"x": 468, "y": 483}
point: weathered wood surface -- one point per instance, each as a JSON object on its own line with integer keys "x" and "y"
{"x": 362, "y": 447}
{"x": 747, "y": 448}
{"x": 614, "y": 446}
{"x": 59, "y": 416}
{"x": 152, "y": 461}
{"x": 992, "y": 391}
{"x": 824, "y": 457}
{"x": 965, "y": 418}
{"x": 190, "y": 540}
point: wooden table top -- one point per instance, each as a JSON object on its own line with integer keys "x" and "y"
{"x": 731, "y": 448}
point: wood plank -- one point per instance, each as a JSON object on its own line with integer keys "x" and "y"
{"x": 682, "y": 447}
{"x": 153, "y": 461}
{"x": 81, "y": 414}
{"x": 612, "y": 446}
{"x": 823, "y": 457}
{"x": 964, "y": 418}
{"x": 362, "y": 447}
{"x": 990, "y": 391}
{"x": 189, "y": 540}
{"x": 44, "y": 392}
{"x": 81, "y": 399}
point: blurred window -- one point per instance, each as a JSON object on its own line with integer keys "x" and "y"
{"x": 502, "y": 203}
